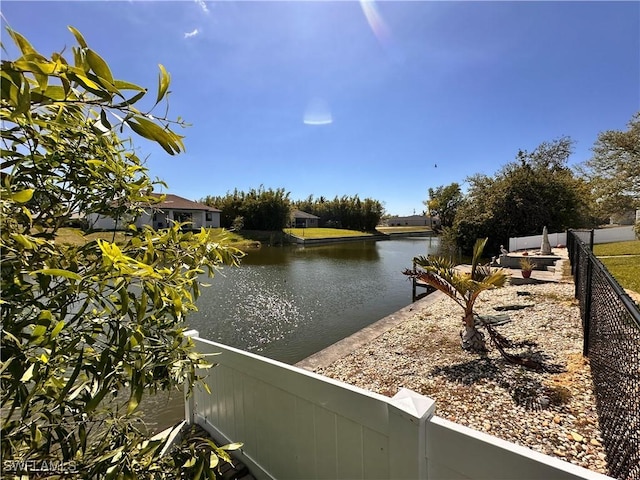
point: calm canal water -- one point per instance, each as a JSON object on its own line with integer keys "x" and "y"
{"x": 287, "y": 303}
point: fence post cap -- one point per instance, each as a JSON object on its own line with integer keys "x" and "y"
{"x": 413, "y": 403}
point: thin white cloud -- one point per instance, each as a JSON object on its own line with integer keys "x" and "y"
{"x": 203, "y": 5}
{"x": 192, "y": 33}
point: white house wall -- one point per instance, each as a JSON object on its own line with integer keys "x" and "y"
{"x": 100, "y": 222}
{"x": 214, "y": 222}
{"x": 144, "y": 219}
{"x": 413, "y": 221}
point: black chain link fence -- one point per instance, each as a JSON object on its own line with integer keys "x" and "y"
{"x": 611, "y": 322}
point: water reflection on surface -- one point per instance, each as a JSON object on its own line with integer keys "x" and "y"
{"x": 287, "y": 303}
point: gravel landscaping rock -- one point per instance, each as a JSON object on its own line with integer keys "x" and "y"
{"x": 551, "y": 411}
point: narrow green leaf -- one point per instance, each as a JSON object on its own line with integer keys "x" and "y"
{"x": 232, "y": 446}
{"x": 95, "y": 401}
{"x": 87, "y": 83}
{"x": 79, "y": 37}
{"x": 24, "y": 101}
{"x": 132, "y": 100}
{"x": 22, "y": 43}
{"x": 36, "y": 436}
{"x": 168, "y": 140}
{"x": 66, "y": 87}
{"x": 23, "y": 240}
{"x": 57, "y": 272}
{"x": 5, "y": 365}
{"x": 9, "y": 93}
{"x": 99, "y": 66}
{"x": 78, "y": 58}
{"x": 35, "y": 67}
{"x": 163, "y": 82}
{"x": 72, "y": 378}
{"x": 38, "y": 331}
{"x": 134, "y": 400}
{"x": 123, "y": 85}
{"x": 12, "y": 77}
{"x": 57, "y": 329}
{"x": 124, "y": 300}
{"x": 55, "y": 93}
{"x": 28, "y": 374}
{"x": 43, "y": 81}
{"x": 104, "y": 120}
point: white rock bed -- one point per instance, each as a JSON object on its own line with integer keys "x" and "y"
{"x": 552, "y": 413}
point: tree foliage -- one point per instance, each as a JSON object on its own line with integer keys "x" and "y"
{"x": 348, "y": 212}
{"x": 260, "y": 209}
{"x": 534, "y": 191}
{"x": 613, "y": 171}
{"x": 88, "y": 330}
{"x": 444, "y": 202}
{"x": 270, "y": 209}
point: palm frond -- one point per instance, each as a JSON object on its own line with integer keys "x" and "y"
{"x": 434, "y": 262}
{"x": 463, "y": 288}
{"x": 482, "y": 272}
{"x": 478, "y": 248}
{"x": 436, "y": 281}
{"x": 497, "y": 278}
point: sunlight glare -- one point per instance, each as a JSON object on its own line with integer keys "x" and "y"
{"x": 317, "y": 112}
{"x": 375, "y": 20}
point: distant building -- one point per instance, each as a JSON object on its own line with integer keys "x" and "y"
{"x": 160, "y": 215}
{"x": 300, "y": 219}
{"x": 413, "y": 221}
{"x": 626, "y": 218}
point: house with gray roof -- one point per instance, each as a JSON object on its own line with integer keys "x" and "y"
{"x": 300, "y": 219}
{"x": 172, "y": 208}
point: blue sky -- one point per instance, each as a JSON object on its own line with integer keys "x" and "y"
{"x": 345, "y": 98}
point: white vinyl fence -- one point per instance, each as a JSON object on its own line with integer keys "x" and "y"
{"x": 298, "y": 425}
{"x": 600, "y": 235}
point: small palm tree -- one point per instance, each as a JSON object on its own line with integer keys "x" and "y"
{"x": 463, "y": 288}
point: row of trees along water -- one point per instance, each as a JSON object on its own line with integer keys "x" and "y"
{"x": 269, "y": 209}
{"x": 539, "y": 188}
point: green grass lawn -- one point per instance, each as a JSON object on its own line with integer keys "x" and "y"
{"x": 75, "y": 236}
{"x": 622, "y": 262}
{"x": 626, "y": 271}
{"x": 323, "y": 232}
{"x": 631, "y": 247}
